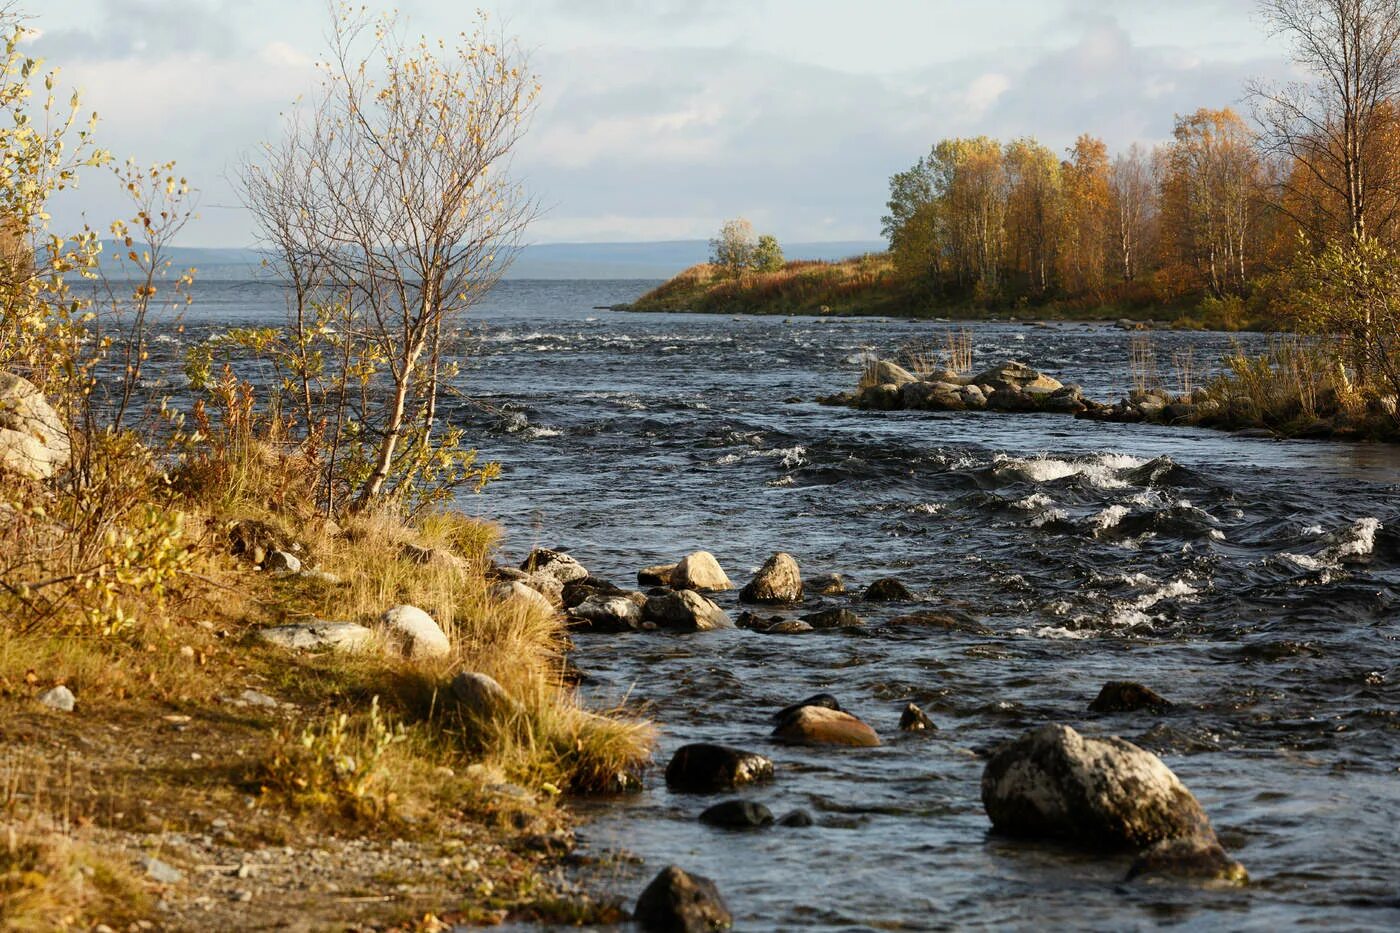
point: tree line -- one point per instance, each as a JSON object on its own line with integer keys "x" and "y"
{"x": 1217, "y": 211}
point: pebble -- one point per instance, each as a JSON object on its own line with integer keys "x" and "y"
{"x": 59, "y": 698}
{"x": 160, "y": 871}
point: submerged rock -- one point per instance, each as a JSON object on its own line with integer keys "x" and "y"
{"x": 887, "y": 590}
{"x": 789, "y": 627}
{"x": 738, "y": 814}
{"x": 1109, "y": 793}
{"x": 779, "y": 580}
{"x": 1124, "y": 696}
{"x": 833, "y": 618}
{"x": 914, "y": 719}
{"x": 818, "y": 725}
{"x": 797, "y": 819}
{"x": 828, "y": 584}
{"x": 684, "y": 611}
{"x": 821, "y": 699}
{"x": 705, "y": 769}
{"x": 1194, "y": 857}
{"x": 677, "y": 902}
{"x": 700, "y": 571}
{"x": 415, "y": 633}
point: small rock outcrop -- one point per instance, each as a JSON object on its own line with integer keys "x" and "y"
{"x": 778, "y": 581}
{"x": 818, "y": 725}
{"x": 678, "y": 902}
{"x": 914, "y": 719}
{"x": 314, "y": 636}
{"x": 1105, "y": 793}
{"x": 738, "y": 814}
{"x": 887, "y": 590}
{"x": 684, "y": 611}
{"x": 415, "y": 633}
{"x": 700, "y": 571}
{"x": 33, "y": 441}
{"x": 707, "y": 769}
{"x": 1125, "y": 696}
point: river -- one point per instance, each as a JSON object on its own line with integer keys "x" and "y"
{"x": 1254, "y": 583}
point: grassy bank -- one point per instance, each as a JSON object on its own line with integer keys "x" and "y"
{"x": 870, "y": 286}
{"x": 265, "y": 783}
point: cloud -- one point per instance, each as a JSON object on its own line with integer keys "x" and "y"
{"x": 145, "y": 29}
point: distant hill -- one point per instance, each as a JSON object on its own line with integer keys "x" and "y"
{"x": 659, "y": 260}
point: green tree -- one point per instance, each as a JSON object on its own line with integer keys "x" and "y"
{"x": 1352, "y": 290}
{"x": 768, "y": 255}
{"x": 734, "y": 248}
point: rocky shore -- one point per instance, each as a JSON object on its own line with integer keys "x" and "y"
{"x": 1016, "y": 387}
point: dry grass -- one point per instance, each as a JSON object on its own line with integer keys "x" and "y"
{"x": 1294, "y": 379}
{"x": 801, "y": 287}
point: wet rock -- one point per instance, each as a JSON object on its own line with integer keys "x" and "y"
{"x": 556, "y": 564}
{"x": 1202, "y": 859}
{"x": 656, "y": 575}
{"x": 684, "y": 611}
{"x": 610, "y": 613}
{"x": 973, "y": 397}
{"x": 818, "y": 725}
{"x": 828, "y": 584}
{"x": 706, "y": 769}
{"x": 833, "y": 618}
{"x": 677, "y": 902}
{"x": 481, "y": 696}
{"x": 789, "y": 627}
{"x": 932, "y": 396}
{"x": 758, "y": 623}
{"x": 1054, "y": 782}
{"x": 314, "y": 636}
{"x": 797, "y": 819}
{"x": 884, "y": 397}
{"x": 778, "y": 581}
{"x": 515, "y": 591}
{"x": 887, "y": 590}
{"x": 825, "y": 700}
{"x": 282, "y": 561}
{"x": 577, "y": 591}
{"x": 1124, "y": 696}
{"x": 700, "y": 571}
{"x": 33, "y": 441}
{"x": 1067, "y": 400}
{"x": 59, "y": 698}
{"x": 914, "y": 719}
{"x": 1010, "y": 398}
{"x": 415, "y": 633}
{"x": 738, "y": 814}
{"x": 948, "y": 621}
{"x": 1015, "y": 375}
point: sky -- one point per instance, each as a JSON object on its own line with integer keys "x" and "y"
{"x": 659, "y": 119}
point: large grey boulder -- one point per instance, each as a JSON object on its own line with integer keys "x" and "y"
{"x": 33, "y": 441}
{"x": 415, "y": 633}
{"x": 1105, "y": 793}
{"x": 685, "y": 611}
{"x": 312, "y": 636}
{"x": 700, "y": 571}
{"x": 779, "y": 580}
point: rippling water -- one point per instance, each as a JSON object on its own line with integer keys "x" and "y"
{"x": 1254, "y": 583}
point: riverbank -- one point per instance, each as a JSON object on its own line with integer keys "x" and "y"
{"x": 1267, "y": 397}
{"x": 869, "y": 286}
{"x": 231, "y": 711}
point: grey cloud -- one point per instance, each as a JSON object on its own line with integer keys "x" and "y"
{"x": 144, "y": 28}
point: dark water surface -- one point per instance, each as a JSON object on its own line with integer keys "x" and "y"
{"x": 1255, "y": 583}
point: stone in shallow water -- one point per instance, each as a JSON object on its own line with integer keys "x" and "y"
{"x": 778, "y": 581}
{"x": 738, "y": 814}
{"x": 678, "y": 902}
{"x": 1124, "y": 696}
{"x": 817, "y": 725}
{"x": 700, "y": 571}
{"x": 915, "y": 720}
{"x": 704, "y": 768}
{"x": 887, "y": 590}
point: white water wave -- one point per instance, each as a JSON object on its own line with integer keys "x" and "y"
{"x": 1355, "y": 544}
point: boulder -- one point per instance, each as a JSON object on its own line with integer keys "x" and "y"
{"x": 833, "y": 618}
{"x": 1011, "y": 398}
{"x": 883, "y": 372}
{"x": 432, "y": 557}
{"x": 932, "y": 396}
{"x": 1124, "y": 696}
{"x": 481, "y": 696}
{"x": 778, "y": 581}
{"x": 547, "y": 585}
{"x": 700, "y": 571}
{"x": 817, "y": 725}
{"x": 677, "y": 902}
{"x": 515, "y": 591}
{"x": 914, "y": 719}
{"x": 973, "y": 397}
{"x": 656, "y": 575}
{"x": 59, "y": 698}
{"x": 33, "y": 441}
{"x": 887, "y": 590}
{"x": 314, "y": 636}
{"x": 797, "y": 819}
{"x": 554, "y": 563}
{"x": 789, "y": 627}
{"x": 738, "y": 814}
{"x": 1067, "y": 400}
{"x": 1015, "y": 375}
{"x": 685, "y": 611}
{"x": 610, "y": 613}
{"x": 884, "y": 397}
{"x": 1054, "y": 782}
{"x": 824, "y": 700}
{"x": 577, "y": 591}
{"x": 415, "y": 633}
{"x": 708, "y": 769}
{"x": 828, "y": 584}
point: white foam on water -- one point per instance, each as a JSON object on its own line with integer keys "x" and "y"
{"x": 1048, "y": 516}
{"x": 1034, "y": 502}
{"x": 792, "y": 457}
{"x": 729, "y": 459}
{"x": 926, "y": 508}
{"x": 1100, "y": 470}
{"x": 1358, "y": 542}
{"x": 1110, "y": 517}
